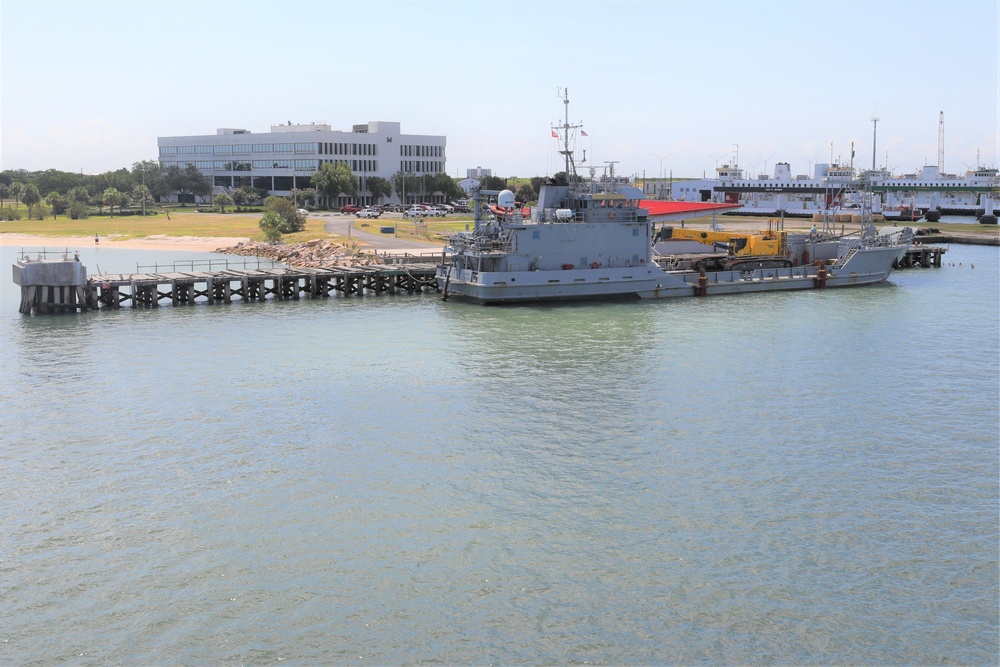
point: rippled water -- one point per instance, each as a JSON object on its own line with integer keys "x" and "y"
{"x": 801, "y": 478}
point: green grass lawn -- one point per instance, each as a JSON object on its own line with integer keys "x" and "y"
{"x": 181, "y": 222}
{"x": 187, "y": 221}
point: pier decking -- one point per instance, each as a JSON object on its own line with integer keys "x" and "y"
{"x": 221, "y": 281}
{"x": 186, "y": 288}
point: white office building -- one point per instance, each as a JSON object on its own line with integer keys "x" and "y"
{"x": 286, "y": 157}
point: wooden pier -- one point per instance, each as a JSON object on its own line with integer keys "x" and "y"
{"x": 924, "y": 256}
{"x": 179, "y": 288}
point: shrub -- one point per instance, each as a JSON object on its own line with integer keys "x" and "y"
{"x": 9, "y": 213}
{"x": 78, "y": 211}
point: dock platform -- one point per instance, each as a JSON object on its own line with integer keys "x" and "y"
{"x": 924, "y": 256}
{"x": 147, "y": 290}
{"x": 62, "y": 285}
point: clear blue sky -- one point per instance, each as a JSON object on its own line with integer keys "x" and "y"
{"x": 89, "y": 86}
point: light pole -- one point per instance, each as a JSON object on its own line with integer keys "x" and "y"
{"x": 661, "y": 159}
{"x": 766, "y": 159}
{"x": 809, "y": 168}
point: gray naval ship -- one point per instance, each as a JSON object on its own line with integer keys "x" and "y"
{"x": 594, "y": 239}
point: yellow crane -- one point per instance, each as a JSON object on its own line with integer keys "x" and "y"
{"x": 761, "y": 249}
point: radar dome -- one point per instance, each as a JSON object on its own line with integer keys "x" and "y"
{"x": 505, "y": 199}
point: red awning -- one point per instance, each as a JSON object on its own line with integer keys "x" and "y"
{"x": 660, "y": 211}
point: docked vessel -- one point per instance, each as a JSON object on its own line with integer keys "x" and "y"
{"x": 593, "y": 239}
{"x": 835, "y": 190}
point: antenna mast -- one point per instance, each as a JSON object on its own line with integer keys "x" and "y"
{"x": 941, "y": 143}
{"x": 874, "y": 137}
{"x": 566, "y": 127}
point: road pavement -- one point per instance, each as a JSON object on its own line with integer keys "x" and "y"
{"x": 340, "y": 225}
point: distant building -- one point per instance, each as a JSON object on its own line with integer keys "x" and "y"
{"x": 286, "y": 157}
{"x": 478, "y": 173}
{"x": 468, "y": 184}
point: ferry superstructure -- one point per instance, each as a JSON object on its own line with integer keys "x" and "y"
{"x": 836, "y": 189}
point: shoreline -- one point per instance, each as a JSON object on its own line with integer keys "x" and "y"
{"x": 156, "y": 242}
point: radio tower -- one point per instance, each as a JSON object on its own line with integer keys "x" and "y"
{"x": 874, "y": 136}
{"x": 941, "y": 143}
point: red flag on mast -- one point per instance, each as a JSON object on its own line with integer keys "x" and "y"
{"x": 554, "y": 135}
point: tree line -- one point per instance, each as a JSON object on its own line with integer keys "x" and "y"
{"x": 58, "y": 192}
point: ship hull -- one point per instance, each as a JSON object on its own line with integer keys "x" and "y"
{"x": 866, "y": 267}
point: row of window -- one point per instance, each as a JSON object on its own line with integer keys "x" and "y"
{"x": 240, "y": 149}
{"x": 339, "y": 148}
{"x": 421, "y": 166}
{"x": 256, "y": 165}
{"x": 356, "y": 166}
{"x": 415, "y": 150}
{"x": 323, "y": 148}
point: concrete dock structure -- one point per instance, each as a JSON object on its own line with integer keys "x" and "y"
{"x": 54, "y": 285}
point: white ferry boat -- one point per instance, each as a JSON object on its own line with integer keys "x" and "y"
{"x": 590, "y": 239}
{"x": 835, "y": 190}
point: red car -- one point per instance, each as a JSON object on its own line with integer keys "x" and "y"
{"x": 350, "y": 208}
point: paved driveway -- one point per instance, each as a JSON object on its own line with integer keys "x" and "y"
{"x": 339, "y": 224}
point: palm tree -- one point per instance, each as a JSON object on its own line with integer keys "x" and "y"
{"x": 113, "y": 197}
{"x": 30, "y": 196}
{"x": 15, "y": 189}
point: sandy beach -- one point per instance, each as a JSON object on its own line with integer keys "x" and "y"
{"x": 156, "y": 242}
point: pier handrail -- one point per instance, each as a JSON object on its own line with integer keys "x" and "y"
{"x": 206, "y": 265}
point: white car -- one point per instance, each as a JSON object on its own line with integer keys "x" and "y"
{"x": 415, "y": 212}
{"x": 368, "y": 213}
{"x": 302, "y": 211}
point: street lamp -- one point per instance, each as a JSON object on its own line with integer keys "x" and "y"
{"x": 766, "y": 159}
{"x": 661, "y": 159}
{"x": 809, "y": 168}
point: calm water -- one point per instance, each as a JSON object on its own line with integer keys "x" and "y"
{"x": 803, "y": 478}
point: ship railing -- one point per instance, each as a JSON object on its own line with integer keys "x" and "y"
{"x": 848, "y": 250}
{"x": 483, "y": 245}
{"x": 775, "y": 273}
{"x": 597, "y": 214}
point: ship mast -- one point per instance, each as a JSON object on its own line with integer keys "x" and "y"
{"x": 566, "y": 127}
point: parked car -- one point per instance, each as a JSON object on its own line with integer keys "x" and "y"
{"x": 368, "y": 213}
{"x": 414, "y": 212}
{"x": 350, "y": 208}
{"x": 302, "y": 211}
{"x": 448, "y": 208}
{"x": 437, "y": 210}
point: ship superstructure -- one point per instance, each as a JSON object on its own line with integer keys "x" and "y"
{"x": 592, "y": 239}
